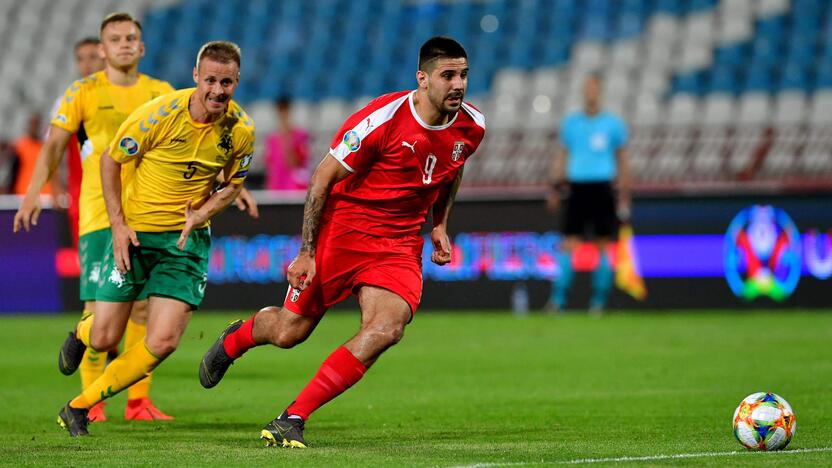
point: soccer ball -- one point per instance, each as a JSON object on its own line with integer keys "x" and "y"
{"x": 764, "y": 421}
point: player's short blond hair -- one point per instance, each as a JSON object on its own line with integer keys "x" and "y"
{"x": 119, "y": 17}
{"x": 219, "y": 51}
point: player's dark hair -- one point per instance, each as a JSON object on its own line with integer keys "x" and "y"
{"x": 120, "y": 17}
{"x": 283, "y": 102}
{"x": 439, "y": 47}
{"x": 87, "y": 41}
{"x": 595, "y": 75}
{"x": 219, "y": 51}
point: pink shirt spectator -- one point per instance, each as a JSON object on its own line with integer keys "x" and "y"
{"x": 287, "y": 160}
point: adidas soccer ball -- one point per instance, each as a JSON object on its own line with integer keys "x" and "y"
{"x": 764, "y": 421}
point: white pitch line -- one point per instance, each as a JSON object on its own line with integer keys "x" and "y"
{"x": 579, "y": 461}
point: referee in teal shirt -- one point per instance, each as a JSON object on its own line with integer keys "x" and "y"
{"x": 591, "y": 177}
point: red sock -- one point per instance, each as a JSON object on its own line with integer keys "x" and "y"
{"x": 340, "y": 371}
{"x": 239, "y": 341}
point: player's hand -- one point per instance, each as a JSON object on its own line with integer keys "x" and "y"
{"x": 441, "y": 246}
{"x": 28, "y": 213}
{"x": 623, "y": 210}
{"x": 553, "y": 201}
{"x": 123, "y": 237}
{"x": 301, "y": 271}
{"x": 61, "y": 200}
{"x": 246, "y": 202}
{"x": 192, "y": 218}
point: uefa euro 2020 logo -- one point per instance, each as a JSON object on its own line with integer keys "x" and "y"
{"x": 762, "y": 253}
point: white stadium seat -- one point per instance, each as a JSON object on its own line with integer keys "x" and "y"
{"x": 718, "y": 109}
{"x": 755, "y": 108}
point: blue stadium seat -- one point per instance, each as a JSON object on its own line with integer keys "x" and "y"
{"x": 698, "y": 5}
{"x": 765, "y": 51}
{"x": 823, "y": 75}
{"x": 629, "y": 25}
{"x": 723, "y": 80}
{"x": 812, "y": 7}
{"x": 553, "y": 53}
{"x": 673, "y": 7}
{"x": 690, "y": 83}
{"x": 730, "y": 55}
{"x": 758, "y": 78}
{"x": 800, "y": 52}
{"x": 771, "y": 27}
{"x": 633, "y": 7}
{"x": 794, "y": 76}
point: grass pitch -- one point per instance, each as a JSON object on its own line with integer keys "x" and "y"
{"x": 481, "y": 389}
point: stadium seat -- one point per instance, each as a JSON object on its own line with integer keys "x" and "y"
{"x": 794, "y": 77}
{"x": 734, "y": 29}
{"x": 512, "y": 82}
{"x": 754, "y": 109}
{"x": 648, "y": 111}
{"x": 758, "y": 79}
{"x": 821, "y": 103}
{"x": 772, "y": 7}
{"x": 546, "y": 81}
{"x": 682, "y": 110}
{"x": 718, "y": 110}
{"x": 625, "y": 54}
{"x": 723, "y": 80}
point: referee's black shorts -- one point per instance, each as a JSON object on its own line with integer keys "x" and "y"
{"x": 590, "y": 211}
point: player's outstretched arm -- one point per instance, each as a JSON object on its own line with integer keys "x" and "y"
{"x": 48, "y": 160}
{"x": 441, "y": 214}
{"x": 123, "y": 235}
{"x": 302, "y": 269}
{"x": 217, "y": 202}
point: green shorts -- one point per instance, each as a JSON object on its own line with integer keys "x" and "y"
{"x": 91, "y": 250}
{"x": 159, "y": 268}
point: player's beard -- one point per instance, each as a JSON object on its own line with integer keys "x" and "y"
{"x": 440, "y": 102}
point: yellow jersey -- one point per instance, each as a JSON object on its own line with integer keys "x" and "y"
{"x": 178, "y": 159}
{"x": 100, "y": 107}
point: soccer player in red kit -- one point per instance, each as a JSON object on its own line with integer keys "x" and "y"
{"x": 391, "y": 162}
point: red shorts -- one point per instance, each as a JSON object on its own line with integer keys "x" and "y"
{"x": 347, "y": 259}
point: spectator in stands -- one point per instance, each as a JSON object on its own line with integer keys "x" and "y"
{"x": 26, "y": 149}
{"x": 287, "y": 152}
{"x": 590, "y": 174}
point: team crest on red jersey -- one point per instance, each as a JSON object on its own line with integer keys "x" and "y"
{"x": 457, "y": 152}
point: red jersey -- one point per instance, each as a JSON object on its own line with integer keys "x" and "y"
{"x": 400, "y": 164}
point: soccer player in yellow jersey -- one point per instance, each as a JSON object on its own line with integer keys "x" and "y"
{"x": 98, "y": 104}
{"x": 180, "y": 143}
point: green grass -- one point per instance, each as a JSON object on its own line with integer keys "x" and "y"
{"x": 459, "y": 389}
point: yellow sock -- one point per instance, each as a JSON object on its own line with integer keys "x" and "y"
{"x": 135, "y": 333}
{"x": 92, "y": 365}
{"x": 130, "y": 367}
{"x": 83, "y": 329}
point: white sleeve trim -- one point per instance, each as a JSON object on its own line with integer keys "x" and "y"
{"x": 340, "y": 160}
{"x": 479, "y": 119}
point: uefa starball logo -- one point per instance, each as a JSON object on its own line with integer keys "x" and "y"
{"x": 762, "y": 253}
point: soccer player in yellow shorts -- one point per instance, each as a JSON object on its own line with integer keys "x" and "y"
{"x": 160, "y": 220}
{"x": 96, "y": 105}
